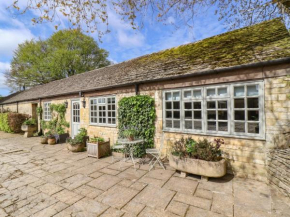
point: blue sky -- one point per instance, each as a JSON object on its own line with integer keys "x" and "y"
{"x": 123, "y": 43}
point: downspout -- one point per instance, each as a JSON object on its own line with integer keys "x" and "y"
{"x": 40, "y": 119}
{"x": 136, "y": 89}
{"x": 17, "y": 106}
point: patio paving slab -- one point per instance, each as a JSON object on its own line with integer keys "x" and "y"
{"x": 154, "y": 197}
{"x": 118, "y": 196}
{"x": 181, "y": 185}
{"x": 38, "y": 180}
{"x": 104, "y": 182}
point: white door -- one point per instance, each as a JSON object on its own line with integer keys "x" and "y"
{"x": 75, "y": 116}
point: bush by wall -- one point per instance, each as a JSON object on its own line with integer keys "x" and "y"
{"x": 138, "y": 112}
{"x": 4, "y": 124}
{"x": 11, "y": 122}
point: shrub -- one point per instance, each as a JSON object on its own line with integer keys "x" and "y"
{"x": 11, "y": 122}
{"x": 203, "y": 149}
{"x": 96, "y": 139}
{"x": 80, "y": 138}
{"x": 30, "y": 121}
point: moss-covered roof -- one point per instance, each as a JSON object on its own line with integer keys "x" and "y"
{"x": 269, "y": 40}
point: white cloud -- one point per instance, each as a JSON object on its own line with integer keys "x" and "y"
{"x": 10, "y": 38}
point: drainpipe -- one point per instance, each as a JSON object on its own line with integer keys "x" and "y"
{"x": 40, "y": 119}
{"x": 17, "y": 106}
{"x": 137, "y": 89}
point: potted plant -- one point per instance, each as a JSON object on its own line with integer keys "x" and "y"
{"x": 198, "y": 157}
{"x": 77, "y": 143}
{"x": 29, "y": 126}
{"x": 98, "y": 147}
{"x": 57, "y": 124}
{"x": 130, "y": 134}
{"x": 44, "y": 139}
{"x": 51, "y": 140}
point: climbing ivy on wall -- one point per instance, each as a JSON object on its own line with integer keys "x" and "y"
{"x": 138, "y": 112}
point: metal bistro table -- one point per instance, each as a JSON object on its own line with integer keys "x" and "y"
{"x": 130, "y": 146}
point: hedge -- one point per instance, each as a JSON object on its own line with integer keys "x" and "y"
{"x": 11, "y": 122}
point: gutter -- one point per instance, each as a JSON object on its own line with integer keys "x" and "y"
{"x": 196, "y": 74}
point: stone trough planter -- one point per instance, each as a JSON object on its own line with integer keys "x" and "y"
{"x": 98, "y": 150}
{"x": 198, "y": 167}
{"x": 28, "y": 129}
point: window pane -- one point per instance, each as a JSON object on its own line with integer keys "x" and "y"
{"x": 197, "y": 114}
{"x": 222, "y": 126}
{"x": 168, "y": 96}
{"x": 211, "y": 105}
{"x": 222, "y": 104}
{"x": 109, "y": 121}
{"x": 211, "y": 115}
{"x": 253, "y": 115}
{"x": 253, "y": 127}
{"x": 109, "y": 100}
{"x": 113, "y": 114}
{"x": 210, "y": 92}
{"x": 197, "y": 105}
{"x": 113, "y": 121}
{"x": 197, "y": 125}
{"x": 109, "y": 114}
{"x": 211, "y": 126}
{"x": 240, "y": 127}
{"x": 109, "y": 107}
{"x": 239, "y": 91}
{"x": 222, "y": 91}
{"x": 252, "y": 90}
{"x": 168, "y": 114}
{"x": 176, "y": 124}
{"x": 168, "y": 123}
{"x": 197, "y": 93}
{"x": 188, "y": 125}
{"x": 222, "y": 115}
{"x": 176, "y": 105}
{"x": 253, "y": 102}
{"x": 187, "y": 94}
{"x": 240, "y": 115}
{"x": 188, "y": 114}
{"x": 176, "y": 96}
{"x": 168, "y": 105}
{"x": 113, "y": 107}
{"x": 187, "y": 105}
{"x": 176, "y": 114}
{"x": 239, "y": 103}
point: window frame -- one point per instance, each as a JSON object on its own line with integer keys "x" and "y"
{"x": 230, "y": 110}
{"x": 106, "y": 111}
{"x": 48, "y": 110}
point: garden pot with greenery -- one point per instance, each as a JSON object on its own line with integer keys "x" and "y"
{"x": 29, "y": 127}
{"x": 200, "y": 158}
{"x": 78, "y": 143}
{"x": 43, "y": 139}
{"x": 57, "y": 125}
{"x": 97, "y": 147}
{"x": 51, "y": 140}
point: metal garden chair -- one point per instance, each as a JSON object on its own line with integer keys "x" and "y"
{"x": 156, "y": 156}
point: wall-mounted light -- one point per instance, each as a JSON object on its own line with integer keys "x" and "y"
{"x": 81, "y": 94}
{"x": 66, "y": 104}
{"x": 84, "y": 103}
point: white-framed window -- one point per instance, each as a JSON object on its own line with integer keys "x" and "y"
{"x": 235, "y": 109}
{"x": 103, "y": 110}
{"x": 46, "y": 111}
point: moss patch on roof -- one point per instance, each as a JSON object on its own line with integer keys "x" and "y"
{"x": 238, "y": 47}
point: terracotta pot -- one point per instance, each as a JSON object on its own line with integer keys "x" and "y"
{"x": 51, "y": 141}
{"x": 43, "y": 140}
{"x": 76, "y": 148}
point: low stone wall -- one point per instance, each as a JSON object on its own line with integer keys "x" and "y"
{"x": 279, "y": 169}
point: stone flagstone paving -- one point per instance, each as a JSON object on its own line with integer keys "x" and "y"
{"x": 42, "y": 180}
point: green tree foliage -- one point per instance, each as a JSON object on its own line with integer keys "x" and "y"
{"x": 65, "y": 53}
{"x": 138, "y": 112}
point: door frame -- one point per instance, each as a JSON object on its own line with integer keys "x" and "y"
{"x": 71, "y": 113}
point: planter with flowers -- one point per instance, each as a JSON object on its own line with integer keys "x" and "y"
{"x": 198, "y": 157}
{"x": 78, "y": 143}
